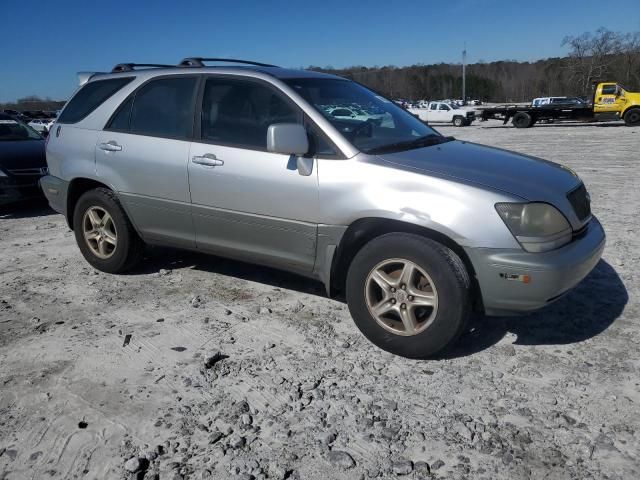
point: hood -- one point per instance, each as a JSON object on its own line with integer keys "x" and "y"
{"x": 22, "y": 154}
{"x": 527, "y": 177}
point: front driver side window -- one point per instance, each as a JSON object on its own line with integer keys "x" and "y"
{"x": 239, "y": 112}
{"x": 444, "y": 107}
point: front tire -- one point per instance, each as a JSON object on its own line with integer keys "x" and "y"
{"x": 408, "y": 295}
{"x": 104, "y": 233}
{"x": 632, "y": 117}
{"x": 458, "y": 122}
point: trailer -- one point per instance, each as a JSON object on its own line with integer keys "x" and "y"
{"x": 611, "y": 101}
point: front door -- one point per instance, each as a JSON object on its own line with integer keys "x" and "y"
{"x": 246, "y": 202}
{"x": 143, "y": 154}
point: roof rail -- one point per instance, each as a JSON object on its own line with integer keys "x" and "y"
{"x": 129, "y": 67}
{"x": 199, "y": 62}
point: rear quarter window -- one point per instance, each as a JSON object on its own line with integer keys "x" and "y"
{"x": 90, "y": 97}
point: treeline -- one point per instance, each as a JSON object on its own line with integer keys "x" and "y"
{"x": 598, "y": 56}
{"x": 31, "y": 103}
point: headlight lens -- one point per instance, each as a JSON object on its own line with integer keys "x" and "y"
{"x": 539, "y": 227}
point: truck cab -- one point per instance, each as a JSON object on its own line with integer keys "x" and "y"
{"x": 613, "y": 98}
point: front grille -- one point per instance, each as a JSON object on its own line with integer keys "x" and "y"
{"x": 579, "y": 200}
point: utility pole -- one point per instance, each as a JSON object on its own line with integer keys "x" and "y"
{"x": 464, "y": 72}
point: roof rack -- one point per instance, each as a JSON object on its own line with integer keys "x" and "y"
{"x": 199, "y": 62}
{"x": 129, "y": 67}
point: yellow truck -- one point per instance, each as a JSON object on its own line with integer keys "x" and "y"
{"x": 611, "y": 101}
{"x": 613, "y": 98}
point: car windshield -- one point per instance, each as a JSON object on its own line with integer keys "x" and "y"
{"x": 373, "y": 123}
{"x": 12, "y": 130}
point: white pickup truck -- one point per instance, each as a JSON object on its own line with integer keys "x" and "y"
{"x": 440, "y": 112}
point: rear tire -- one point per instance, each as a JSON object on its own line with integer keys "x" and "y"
{"x": 434, "y": 328}
{"x": 632, "y": 117}
{"x": 522, "y": 120}
{"x": 104, "y": 233}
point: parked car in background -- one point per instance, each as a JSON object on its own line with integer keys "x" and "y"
{"x": 414, "y": 228}
{"x": 41, "y": 125}
{"x": 17, "y": 115}
{"x": 570, "y": 101}
{"x": 22, "y": 160}
{"x": 441, "y": 112}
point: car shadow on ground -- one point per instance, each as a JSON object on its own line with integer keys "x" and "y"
{"x": 33, "y": 207}
{"x": 586, "y": 311}
{"x": 157, "y": 258}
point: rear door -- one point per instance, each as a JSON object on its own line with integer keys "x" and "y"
{"x": 431, "y": 115}
{"x": 249, "y": 203}
{"x": 444, "y": 113}
{"x": 143, "y": 153}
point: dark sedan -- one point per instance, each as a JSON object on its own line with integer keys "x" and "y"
{"x": 22, "y": 160}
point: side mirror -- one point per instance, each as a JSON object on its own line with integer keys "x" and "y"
{"x": 288, "y": 139}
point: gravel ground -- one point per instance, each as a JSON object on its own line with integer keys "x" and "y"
{"x": 198, "y": 367}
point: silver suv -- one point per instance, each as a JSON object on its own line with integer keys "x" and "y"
{"x": 415, "y": 229}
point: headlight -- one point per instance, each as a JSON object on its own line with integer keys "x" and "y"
{"x": 539, "y": 227}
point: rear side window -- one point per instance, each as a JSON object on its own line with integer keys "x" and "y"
{"x": 90, "y": 97}
{"x": 120, "y": 120}
{"x": 163, "y": 108}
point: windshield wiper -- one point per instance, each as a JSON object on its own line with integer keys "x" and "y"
{"x": 424, "y": 141}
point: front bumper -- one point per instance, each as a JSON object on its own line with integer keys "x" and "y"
{"x": 17, "y": 189}
{"x": 55, "y": 189}
{"x": 501, "y": 272}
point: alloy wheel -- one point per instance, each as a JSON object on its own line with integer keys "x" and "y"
{"x": 401, "y": 297}
{"x": 99, "y": 232}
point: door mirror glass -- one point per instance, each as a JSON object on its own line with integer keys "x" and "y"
{"x": 287, "y": 138}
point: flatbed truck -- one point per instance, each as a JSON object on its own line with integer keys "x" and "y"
{"x": 611, "y": 101}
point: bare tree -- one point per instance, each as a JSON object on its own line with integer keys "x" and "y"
{"x": 591, "y": 56}
{"x": 630, "y": 51}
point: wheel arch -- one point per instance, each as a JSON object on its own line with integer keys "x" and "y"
{"x": 628, "y": 109}
{"x": 362, "y": 231}
{"x": 77, "y": 187}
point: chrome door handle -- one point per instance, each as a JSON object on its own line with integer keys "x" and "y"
{"x": 208, "y": 160}
{"x": 110, "y": 146}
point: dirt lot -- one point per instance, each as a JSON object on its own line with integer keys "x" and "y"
{"x": 197, "y": 367}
